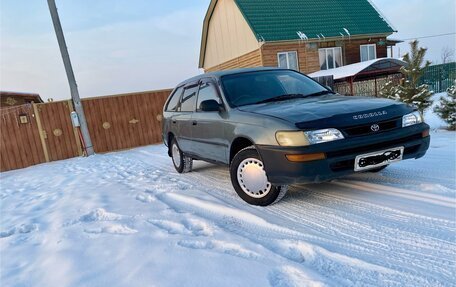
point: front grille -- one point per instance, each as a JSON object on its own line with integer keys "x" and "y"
{"x": 366, "y": 129}
{"x": 374, "y": 147}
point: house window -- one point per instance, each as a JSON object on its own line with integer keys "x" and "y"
{"x": 330, "y": 58}
{"x": 368, "y": 52}
{"x": 288, "y": 60}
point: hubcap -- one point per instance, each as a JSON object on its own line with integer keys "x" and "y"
{"x": 176, "y": 155}
{"x": 252, "y": 178}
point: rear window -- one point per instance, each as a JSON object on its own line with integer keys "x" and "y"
{"x": 174, "y": 101}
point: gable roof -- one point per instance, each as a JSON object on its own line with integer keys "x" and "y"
{"x": 281, "y": 20}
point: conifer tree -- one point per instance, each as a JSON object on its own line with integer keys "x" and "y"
{"x": 447, "y": 107}
{"x": 410, "y": 91}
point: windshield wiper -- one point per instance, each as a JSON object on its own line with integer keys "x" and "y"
{"x": 321, "y": 93}
{"x": 282, "y": 98}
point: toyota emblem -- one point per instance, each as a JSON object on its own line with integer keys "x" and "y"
{"x": 375, "y": 128}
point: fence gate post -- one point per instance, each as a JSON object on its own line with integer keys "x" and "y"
{"x": 41, "y": 131}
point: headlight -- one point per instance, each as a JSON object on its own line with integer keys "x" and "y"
{"x": 292, "y": 138}
{"x": 298, "y": 138}
{"x": 412, "y": 119}
{"x": 325, "y": 135}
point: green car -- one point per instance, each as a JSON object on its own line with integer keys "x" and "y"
{"x": 276, "y": 127}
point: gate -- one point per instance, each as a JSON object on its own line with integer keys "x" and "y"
{"x": 125, "y": 121}
{"x": 60, "y": 140}
{"x": 20, "y": 144}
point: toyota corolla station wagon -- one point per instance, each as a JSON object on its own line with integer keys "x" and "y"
{"x": 275, "y": 127}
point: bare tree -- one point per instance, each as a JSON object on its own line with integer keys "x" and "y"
{"x": 447, "y": 55}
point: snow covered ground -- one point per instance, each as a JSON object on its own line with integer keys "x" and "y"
{"x": 128, "y": 219}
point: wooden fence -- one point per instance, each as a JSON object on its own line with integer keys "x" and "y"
{"x": 38, "y": 133}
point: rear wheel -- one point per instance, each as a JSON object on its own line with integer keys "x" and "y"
{"x": 250, "y": 181}
{"x": 182, "y": 163}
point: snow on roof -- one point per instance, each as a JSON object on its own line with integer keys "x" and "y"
{"x": 354, "y": 69}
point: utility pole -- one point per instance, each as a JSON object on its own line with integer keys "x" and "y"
{"x": 71, "y": 79}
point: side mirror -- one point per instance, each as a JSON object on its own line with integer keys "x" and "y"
{"x": 210, "y": 106}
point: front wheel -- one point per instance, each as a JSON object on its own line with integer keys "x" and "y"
{"x": 250, "y": 181}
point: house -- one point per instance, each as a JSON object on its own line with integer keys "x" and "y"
{"x": 305, "y": 35}
{"x": 10, "y": 99}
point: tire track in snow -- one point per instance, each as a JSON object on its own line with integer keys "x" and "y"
{"x": 281, "y": 241}
{"x": 408, "y": 194}
{"x": 318, "y": 217}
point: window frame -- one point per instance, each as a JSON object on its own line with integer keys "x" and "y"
{"x": 217, "y": 91}
{"x": 334, "y": 58}
{"x": 368, "y": 53}
{"x": 286, "y": 53}
{"x": 179, "y": 98}
{"x": 186, "y": 87}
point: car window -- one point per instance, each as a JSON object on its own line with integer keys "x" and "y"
{"x": 189, "y": 99}
{"x": 174, "y": 101}
{"x": 253, "y": 87}
{"x": 206, "y": 92}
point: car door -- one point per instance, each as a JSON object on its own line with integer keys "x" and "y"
{"x": 208, "y": 130}
{"x": 183, "y": 118}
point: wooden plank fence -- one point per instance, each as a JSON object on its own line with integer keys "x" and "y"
{"x": 38, "y": 133}
{"x": 125, "y": 121}
{"x": 20, "y": 144}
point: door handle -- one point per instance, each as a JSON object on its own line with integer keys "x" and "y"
{"x": 195, "y": 123}
{"x": 174, "y": 122}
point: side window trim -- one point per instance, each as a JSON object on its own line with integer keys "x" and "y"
{"x": 217, "y": 91}
{"x": 174, "y": 95}
{"x": 186, "y": 87}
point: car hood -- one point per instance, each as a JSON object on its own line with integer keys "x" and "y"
{"x": 331, "y": 110}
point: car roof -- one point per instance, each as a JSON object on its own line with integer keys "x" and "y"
{"x": 219, "y": 74}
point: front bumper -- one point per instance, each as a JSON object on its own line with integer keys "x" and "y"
{"x": 340, "y": 155}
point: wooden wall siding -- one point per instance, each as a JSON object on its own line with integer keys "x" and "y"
{"x": 125, "y": 121}
{"x": 20, "y": 144}
{"x": 307, "y": 55}
{"x": 352, "y": 53}
{"x": 59, "y": 133}
{"x": 228, "y": 36}
{"x": 249, "y": 60}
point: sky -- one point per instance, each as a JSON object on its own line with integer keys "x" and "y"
{"x": 119, "y": 46}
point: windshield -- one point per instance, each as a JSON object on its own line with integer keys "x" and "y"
{"x": 267, "y": 86}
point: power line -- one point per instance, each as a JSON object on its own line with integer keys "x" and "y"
{"x": 430, "y": 36}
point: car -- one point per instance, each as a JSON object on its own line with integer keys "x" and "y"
{"x": 277, "y": 127}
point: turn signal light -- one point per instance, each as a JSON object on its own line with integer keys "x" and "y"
{"x": 305, "y": 157}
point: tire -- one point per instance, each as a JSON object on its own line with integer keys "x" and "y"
{"x": 181, "y": 162}
{"x": 250, "y": 181}
{"x": 378, "y": 169}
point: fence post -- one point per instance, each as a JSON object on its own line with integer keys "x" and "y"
{"x": 76, "y": 131}
{"x": 41, "y": 131}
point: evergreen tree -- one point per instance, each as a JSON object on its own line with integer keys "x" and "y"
{"x": 447, "y": 107}
{"x": 410, "y": 91}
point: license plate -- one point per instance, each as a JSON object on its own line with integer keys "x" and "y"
{"x": 379, "y": 158}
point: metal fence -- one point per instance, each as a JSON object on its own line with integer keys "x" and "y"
{"x": 439, "y": 77}
{"x": 369, "y": 87}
